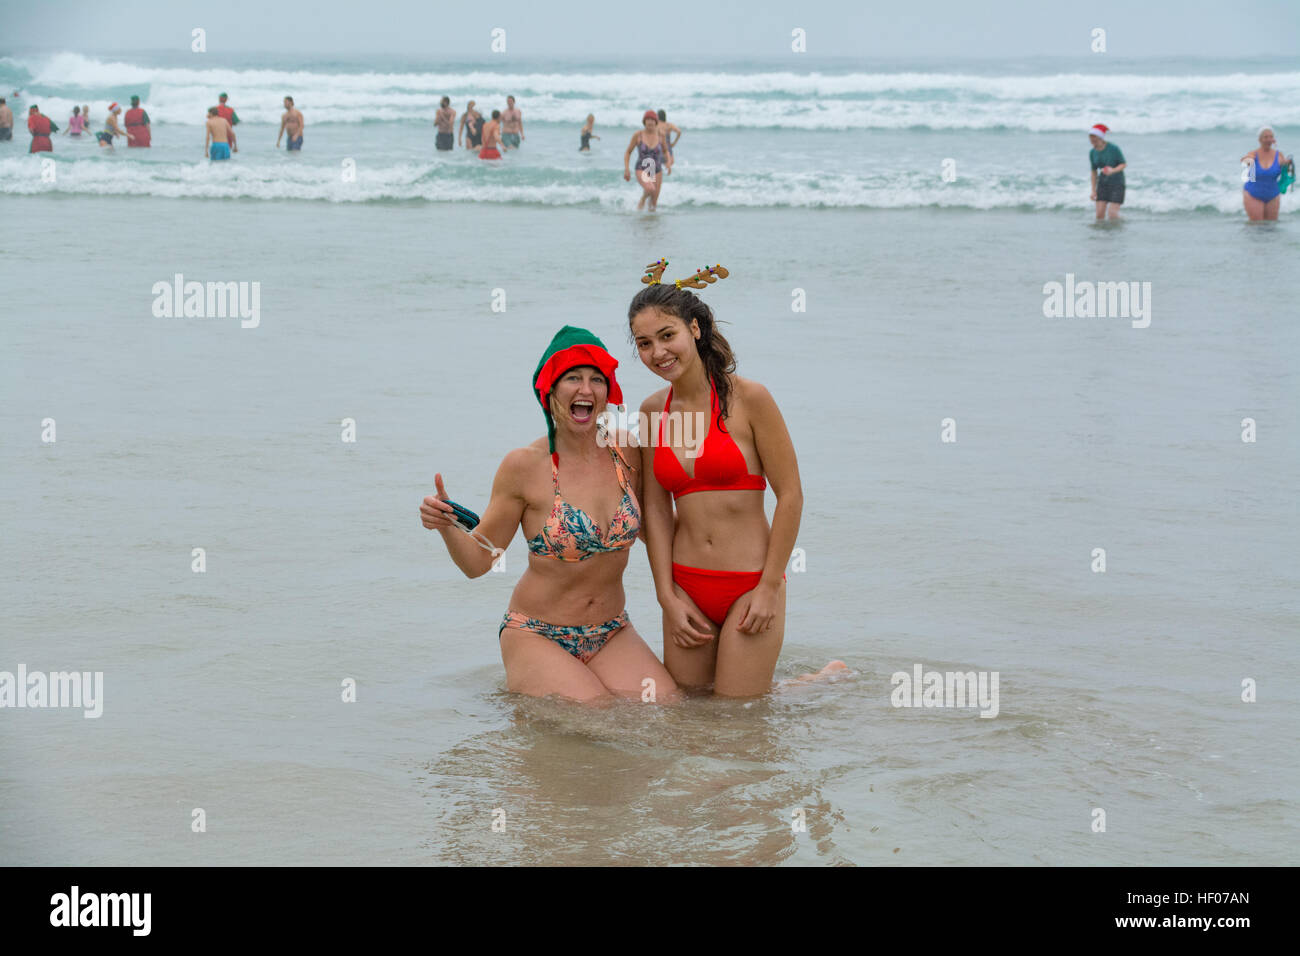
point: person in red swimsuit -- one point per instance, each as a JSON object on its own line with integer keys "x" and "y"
{"x": 718, "y": 566}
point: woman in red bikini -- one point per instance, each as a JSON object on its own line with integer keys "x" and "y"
{"x": 562, "y": 489}
{"x": 718, "y": 566}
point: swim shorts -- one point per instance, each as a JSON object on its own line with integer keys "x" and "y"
{"x": 583, "y": 641}
{"x": 295, "y": 142}
{"x": 105, "y": 138}
{"x": 510, "y": 139}
{"x": 446, "y": 140}
{"x": 1108, "y": 190}
{"x": 6, "y": 132}
{"x": 488, "y": 152}
{"x": 219, "y": 151}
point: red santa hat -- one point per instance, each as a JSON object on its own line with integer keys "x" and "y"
{"x": 1099, "y": 129}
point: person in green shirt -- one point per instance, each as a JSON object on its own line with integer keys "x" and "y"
{"x": 1107, "y": 173}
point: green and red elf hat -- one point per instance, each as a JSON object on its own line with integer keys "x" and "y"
{"x": 571, "y": 348}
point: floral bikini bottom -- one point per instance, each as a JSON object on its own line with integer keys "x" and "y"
{"x": 580, "y": 640}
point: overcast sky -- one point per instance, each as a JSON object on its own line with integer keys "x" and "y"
{"x": 713, "y": 29}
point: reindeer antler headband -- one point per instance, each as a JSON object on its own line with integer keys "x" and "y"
{"x": 702, "y": 278}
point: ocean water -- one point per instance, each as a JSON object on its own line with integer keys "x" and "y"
{"x": 1118, "y": 690}
{"x": 843, "y": 134}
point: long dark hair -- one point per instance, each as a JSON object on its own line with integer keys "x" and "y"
{"x": 715, "y": 351}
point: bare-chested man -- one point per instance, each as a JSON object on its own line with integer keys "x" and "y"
{"x": 512, "y": 125}
{"x": 220, "y": 134}
{"x": 6, "y": 121}
{"x": 445, "y": 120}
{"x": 292, "y": 123}
{"x": 491, "y": 137}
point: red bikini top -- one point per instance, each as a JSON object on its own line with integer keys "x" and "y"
{"x": 720, "y": 465}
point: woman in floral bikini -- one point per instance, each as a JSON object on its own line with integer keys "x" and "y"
{"x": 561, "y": 488}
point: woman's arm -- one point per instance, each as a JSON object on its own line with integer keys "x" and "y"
{"x": 498, "y": 523}
{"x": 777, "y": 457}
{"x": 656, "y": 512}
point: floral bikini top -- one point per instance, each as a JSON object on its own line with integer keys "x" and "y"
{"x": 570, "y": 534}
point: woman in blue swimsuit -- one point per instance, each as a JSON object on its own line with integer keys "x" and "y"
{"x": 651, "y": 162}
{"x": 1260, "y": 194}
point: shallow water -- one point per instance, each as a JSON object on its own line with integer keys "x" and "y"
{"x": 835, "y": 133}
{"x": 222, "y": 690}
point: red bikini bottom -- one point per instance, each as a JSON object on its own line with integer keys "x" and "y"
{"x": 715, "y": 591}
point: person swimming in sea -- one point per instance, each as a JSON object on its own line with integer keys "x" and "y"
{"x": 291, "y": 123}
{"x": 491, "y": 138}
{"x": 1260, "y": 192}
{"x": 1108, "y": 167}
{"x": 586, "y": 135}
{"x": 76, "y": 123}
{"x": 219, "y": 139}
{"x": 512, "y": 125}
{"x": 138, "y": 126}
{"x": 41, "y": 127}
{"x": 651, "y": 163}
{"x": 226, "y": 111}
{"x": 669, "y": 129}
{"x": 105, "y": 136}
{"x": 471, "y": 125}
{"x": 443, "y": 121}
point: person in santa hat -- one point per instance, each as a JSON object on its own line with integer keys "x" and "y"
{"x": 1107, "y": 173}
{"x": 567, "y": 485}
{"x": 111, "y": 128}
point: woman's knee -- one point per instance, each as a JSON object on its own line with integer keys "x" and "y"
{"x": 691, "y": 667}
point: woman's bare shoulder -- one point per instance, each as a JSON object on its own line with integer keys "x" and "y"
{"x": 751, "y": 392}
{"x": 522, "y": 462}
{"x": 654, "y": 402}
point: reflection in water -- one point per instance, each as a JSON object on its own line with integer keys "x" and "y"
{"x": 707, "y": 781}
